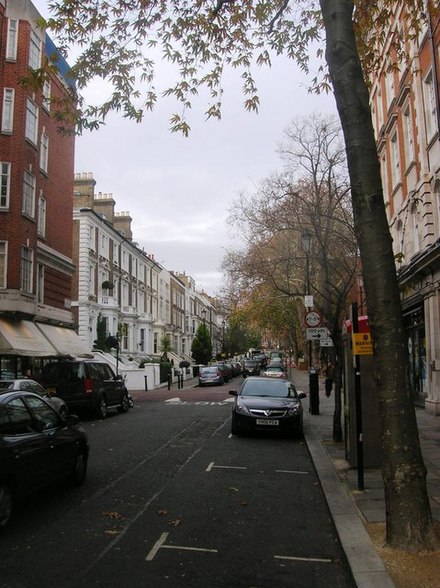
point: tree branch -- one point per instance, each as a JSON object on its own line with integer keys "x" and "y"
{"x": 278, "y": 14}
{"x": 220, "y": 4}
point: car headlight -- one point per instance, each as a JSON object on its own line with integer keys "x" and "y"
{"x": 293, "y": 410}
{"x": 241, "y": 408}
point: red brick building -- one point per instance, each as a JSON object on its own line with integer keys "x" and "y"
{"x": 36, "y": 198}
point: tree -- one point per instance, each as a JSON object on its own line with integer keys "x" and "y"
{"x": 201, "y": 39}
{"x": 312, "y": 195}
{"x": 165, "y": 346}
{"x": 201, "y": 348}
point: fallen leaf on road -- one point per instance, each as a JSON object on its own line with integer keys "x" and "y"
{"x": 175, "y": 523}
{"x": 162, "y": 512}
{"x": 113, "y": 515}
{"x": 111, "y": 532}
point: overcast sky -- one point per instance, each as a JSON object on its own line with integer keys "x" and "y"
{"x": 179, "y": 191}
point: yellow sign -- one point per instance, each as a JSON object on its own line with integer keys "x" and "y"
{"x": 362, "y": 344}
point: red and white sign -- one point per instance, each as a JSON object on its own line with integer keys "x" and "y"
{"x": 313, "y": 318}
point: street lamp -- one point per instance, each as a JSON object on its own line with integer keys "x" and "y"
{"x": 306, "y": 240}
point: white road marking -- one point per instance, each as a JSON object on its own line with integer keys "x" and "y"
{"x": 173, "y": 400}
{"x": 212, "y": 465}
{"x": 160, "y": 544}
{"x": 290, "y": 472}
{"x": 306, "y": 559}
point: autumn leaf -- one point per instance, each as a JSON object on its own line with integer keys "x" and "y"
{"x": 162, "y": 512}
{"x": 175, "y": 522}
{"x": 113, "y": 515}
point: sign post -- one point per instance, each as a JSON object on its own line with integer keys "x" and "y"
{"x": 357, "y": 390}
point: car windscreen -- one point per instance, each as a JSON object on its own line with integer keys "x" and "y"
{"x": 206, "y": 371}
{"x": 260, "y": 387}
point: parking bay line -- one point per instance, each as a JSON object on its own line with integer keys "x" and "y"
{"x": 160, "y": 544}
{"x": 212, "y": 466}
{"x": 305, "y": 559}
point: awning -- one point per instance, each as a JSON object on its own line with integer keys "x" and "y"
{"x": 23, "y": 338}
{"x": 65, "y": 341}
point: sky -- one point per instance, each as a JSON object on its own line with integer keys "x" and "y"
{"x": 180, "y": 191}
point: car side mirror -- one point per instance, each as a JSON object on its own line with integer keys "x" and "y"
{"x": 233, "y": 392}
{"x": 302, "y": 395}
{"x": 118, "y": 377}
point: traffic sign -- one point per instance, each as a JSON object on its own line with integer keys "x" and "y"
{"x": 313, "y": 318}
{"x": 317, "y": 333}
{"x": 362, "y": 344}
{"x": 326, "y": 342}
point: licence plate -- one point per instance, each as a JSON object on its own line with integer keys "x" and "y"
{"x": 270, "y": 422}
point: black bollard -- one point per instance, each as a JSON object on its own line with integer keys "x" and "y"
{"x": 314, "y": 393}
{"x": 146, "y": 383}
{"x": 169, "y": 381}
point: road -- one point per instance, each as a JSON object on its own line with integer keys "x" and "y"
{"x": 173, "y": 500}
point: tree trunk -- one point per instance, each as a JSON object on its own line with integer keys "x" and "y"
{"x": 408, "y": 514}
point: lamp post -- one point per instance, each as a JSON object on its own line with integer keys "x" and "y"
{"x": 204, "y": 334}
{"x": 306, "y": 240}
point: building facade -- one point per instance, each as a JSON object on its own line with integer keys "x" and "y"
{"x": 36, "y": 162}
{"x": 405, "y": 108}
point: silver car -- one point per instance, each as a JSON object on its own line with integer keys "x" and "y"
{"x": 32, "y": 386}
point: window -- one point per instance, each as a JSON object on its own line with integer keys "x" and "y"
{"x": 42, "y": 216}
{"x": 3, "y": 262}
{"x": 15, "y": 419}
{"x": 26, "y": 269}
{"x": 46, "y": 95}
{"x": 155, "y": 343}
{"x": 92, "y": 238}
{"x": 40, "y": 283}
{"x": 31, "y": 121}
{"x": 92, "y": 280}
{"x": 8, "y": 110}
{"x": 44, "y": 152}
{"x": 5, "y": 180}
{"x": 395, "y": 162}
{"x": 28, "y": 205}
{"x": 35, "y": 51}
{"x": 429, "y": 104}
{"x": 408, "y": 136}
{"x": 11, "y": 42}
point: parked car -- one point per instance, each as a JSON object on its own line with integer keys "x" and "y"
{"x": 251, "y": 367}
{"x": 37, "y": 447}
{"x": 86, "y": 384}
{"x": 32, "y": 386}
{"x": 211, "y": 376}
{"x": 267, "y": 404}
{"x": 274, "y": 371}
{"x": 225, "y": 369}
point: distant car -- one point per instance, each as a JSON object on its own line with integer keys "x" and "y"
{"x": 251, "y": 367}
{"x": 225, "y": 369}
{"x": 275, "y": 371}
{"x": 37, "y": 447}
{"x": 86, "y": 384}
{"x": 32, "y": 386}
{"x": 211, "y": 376}
{"x": 267, "y": 404}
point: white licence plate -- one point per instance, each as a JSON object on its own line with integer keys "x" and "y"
{"x": 270, "y": 422}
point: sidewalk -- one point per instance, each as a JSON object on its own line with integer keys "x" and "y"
{"x": 349, "y": 507}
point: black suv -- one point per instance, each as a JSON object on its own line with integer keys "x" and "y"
{"x": 86, "y": 384}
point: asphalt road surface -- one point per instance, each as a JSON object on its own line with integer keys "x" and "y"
{"x": 173, "y": 500}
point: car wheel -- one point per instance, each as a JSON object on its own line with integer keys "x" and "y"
{"x": 234, "y": 428}
{"x": 5, "y": 505}
{"x": 64, "y": 413}
{"x": 101, "y": 409}
{"x": 125, "y": 404}
{"x": 80, "y": 469}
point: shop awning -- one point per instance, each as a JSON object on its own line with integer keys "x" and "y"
{"x": 23, "y": 338}
{"x": 65, "y": 341}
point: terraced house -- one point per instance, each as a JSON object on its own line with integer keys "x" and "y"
{"x": 405, "y": 107}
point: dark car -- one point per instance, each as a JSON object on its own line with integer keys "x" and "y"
{"x": 226, "y": 370}
{"x": 211, "y": 376}
{"x": 37, "y": 447}
{"x": 267, "y": 404}
{"x": 251, "y": 367}
{"x": 33, "y": 386}
{"x": 86, "y": 384}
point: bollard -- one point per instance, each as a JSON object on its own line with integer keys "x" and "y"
{"x": 169, "y": 382}
{"x": 313, "y": 393}
{"x": 146, "y": 383}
